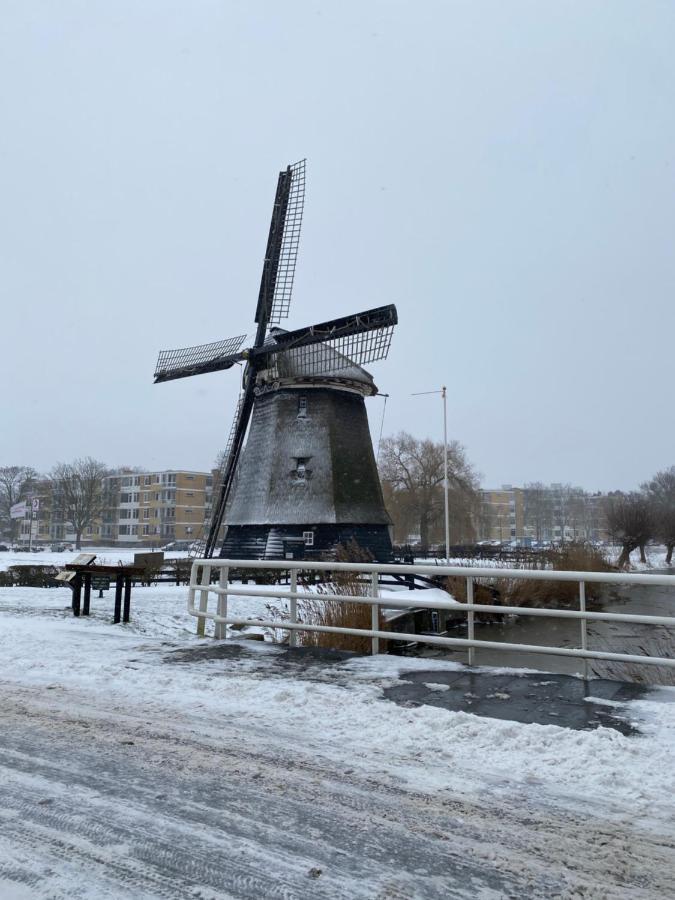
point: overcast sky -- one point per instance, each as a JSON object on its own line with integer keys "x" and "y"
{"x": 502, "y": 171}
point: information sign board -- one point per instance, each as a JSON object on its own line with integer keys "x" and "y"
{"x": 18, "y": 511}
{"x": 84, "y": 559}
{"x": 100, "y": 583}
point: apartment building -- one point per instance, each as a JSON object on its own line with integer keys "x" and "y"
{"x": 154, "y": 508}
{"x": 139, "y": 509}
{"x": 503, "y": 516}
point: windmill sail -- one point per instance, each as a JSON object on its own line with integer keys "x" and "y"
{"x": 290, "y": 242}
{"x": 276, "y": 284}
{"x": 229, "y": 465}
{"x": 199, "y": 546}
{"x": 331, "y": 346}
{"x": 188, "y": 361}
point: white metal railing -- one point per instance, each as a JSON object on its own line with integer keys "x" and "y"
{"x": 201, "y": 586}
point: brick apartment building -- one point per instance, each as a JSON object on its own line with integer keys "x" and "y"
{"x": 139, "y": 508}
{"x": 154, "y": 508}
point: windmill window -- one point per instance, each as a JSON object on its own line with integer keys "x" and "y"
{"x": 302, "y": 406}
{"x": 308, "y": 538}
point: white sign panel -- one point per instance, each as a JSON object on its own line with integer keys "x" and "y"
{"x": 18, "y": 511}
{"x": 35, "y": 503}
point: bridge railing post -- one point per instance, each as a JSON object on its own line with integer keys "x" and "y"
{"x": 203, "y": 600}
{"x": 293, "y": 604}
{"x": 584, "y": 624}
{"x": 220, "y": 628}
{"x": 375, "y": 612}
{"x": 470, "y": 619}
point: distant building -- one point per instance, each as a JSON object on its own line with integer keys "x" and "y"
{"x": 503, "y": 516}
{"x": 139, "y": 508}
{"x": 154, "y": 507}
{"x": 542, "y": 513}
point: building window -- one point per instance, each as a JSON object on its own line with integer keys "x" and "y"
{"x": 123, "y": 530}
{"x": 308, "y": 538}
{"x": 146, "y": 529}
{"x": 148, "y": 480}
{"x": 146, "y": 514}
{"x": 146, "y": 496}
{"x": 301, "y": 472}
{"x": 302, "y": 406}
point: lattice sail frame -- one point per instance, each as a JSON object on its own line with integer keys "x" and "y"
{"x": 332, "y": 355}
{"x": 199, "y": 358}
{"x": 288, "y": 256}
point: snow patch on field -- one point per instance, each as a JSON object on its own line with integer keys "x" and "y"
{"x": 340, "y": 716}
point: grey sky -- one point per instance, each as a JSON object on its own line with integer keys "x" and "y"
{"x": 502, "y": 171}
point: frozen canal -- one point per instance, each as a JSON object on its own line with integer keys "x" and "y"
{"x": 131, "y": 766}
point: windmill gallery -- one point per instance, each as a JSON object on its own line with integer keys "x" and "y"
{"x": 298, "y": 476}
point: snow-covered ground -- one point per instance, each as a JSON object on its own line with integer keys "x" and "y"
{"x": 97, "y": 723}
{"x": 104, "y": 556}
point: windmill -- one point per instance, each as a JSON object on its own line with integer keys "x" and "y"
{"x": 306, "y": 476}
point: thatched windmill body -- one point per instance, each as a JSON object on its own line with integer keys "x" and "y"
{"x": 298, "y": 476}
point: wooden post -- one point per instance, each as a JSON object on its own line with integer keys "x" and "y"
{"x": 127, "y": 599}
{"x": 87, "y": 593}
{"x": 77, "y": 592}
{"x": 118, "y": 598}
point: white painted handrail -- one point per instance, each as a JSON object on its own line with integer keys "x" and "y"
{"x": 224, "y": 589}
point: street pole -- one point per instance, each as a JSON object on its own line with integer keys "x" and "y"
{"x": 443, "y": 392}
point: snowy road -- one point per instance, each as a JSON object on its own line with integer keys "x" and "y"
{"x": 131, "y": 768}
{"x": 97, "y": 803}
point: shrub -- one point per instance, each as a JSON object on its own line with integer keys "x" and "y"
{"x": 6, "y": 579}
{"x": 34, "y": 576}
{"x": 324, "y": 610}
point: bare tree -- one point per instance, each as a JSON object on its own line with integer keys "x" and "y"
{"x": 412, "y": 472}
{"x": 78, "y": 491}
{"x": 538, "y": 509}
{"x": 660, "y": 493}
{"x": 15, "y": 483}
{"x": 630, "y": 521}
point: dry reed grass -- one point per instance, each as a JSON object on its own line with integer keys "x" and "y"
{"x": 323, "y": 609}
{"x": 516, "y": 592}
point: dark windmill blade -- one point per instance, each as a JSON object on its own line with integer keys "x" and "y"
{"x": 228, "y": 466}
{"x": 276, "y": 284}
{"x": 331, "y": 346}
{"x": 187, "y": 361}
